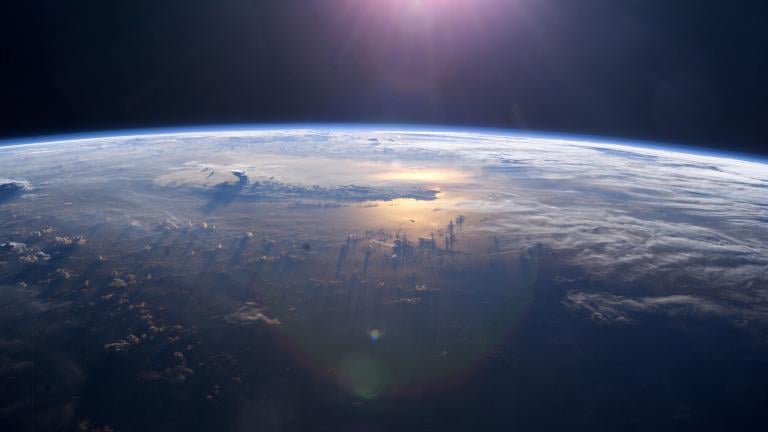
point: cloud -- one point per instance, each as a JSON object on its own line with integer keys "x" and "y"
{"x": 241, "y": 175}
{"x": 118, "y": 283}
{"x": 679, "y": 223}
{"x": 33, "y": 258}
{"x": 9, "y": 366}
{"x": 605, "y": 308}
{"x": 622, "y": 213}
{"x": 277, "y": 190}
{"x": 250, "y": 314}
{"x": 67, "y": 241}
{"x": 117, "y": 346}
{"x": 15, "y": 247}
{"x": 11, "y": 185}
{"x": 175, "y": 375}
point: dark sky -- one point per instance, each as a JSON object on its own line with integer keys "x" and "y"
{"x": 693, "y": 72}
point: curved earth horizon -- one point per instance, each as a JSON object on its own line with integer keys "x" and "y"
{"x": 369, "y": 279}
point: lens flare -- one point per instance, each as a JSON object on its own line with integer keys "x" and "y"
{"x": 362, "y": 376}
{"x": 375, "y": 334}
{"x": 440, "y": 328}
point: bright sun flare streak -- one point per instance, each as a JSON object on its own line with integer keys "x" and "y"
{"x": 412, "y": 46}
{"x": 452, "y": 16}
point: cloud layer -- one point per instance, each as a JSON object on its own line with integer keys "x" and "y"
{"x": 690, "y": 226}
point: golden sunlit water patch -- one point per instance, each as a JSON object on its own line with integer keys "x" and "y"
{"x": 430, "y": 176}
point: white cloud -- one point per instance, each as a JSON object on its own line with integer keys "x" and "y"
{"x": 11, "y": 185}
{"x": 608, "y": 308}
{"x": 250, "y": 314}
{"x": 685, "y": 223}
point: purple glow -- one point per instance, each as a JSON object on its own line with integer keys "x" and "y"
{"x": 409, "y": 49}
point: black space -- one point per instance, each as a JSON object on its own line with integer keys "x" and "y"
{"x": 686, "y": 71}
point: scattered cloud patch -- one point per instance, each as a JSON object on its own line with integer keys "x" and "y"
{"x": 119, "y": 345}
{"x": 605, "y": 308}
{"x": 250, "y": 314}
{"x": 11, "y": 185}
{"x": 14, "y": 247}
{"x": 118, "y": 283}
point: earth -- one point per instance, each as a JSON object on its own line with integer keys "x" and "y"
{"x": 358, "y": 279}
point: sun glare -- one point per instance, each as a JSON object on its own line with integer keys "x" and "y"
{"x": 423, "y": 175}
